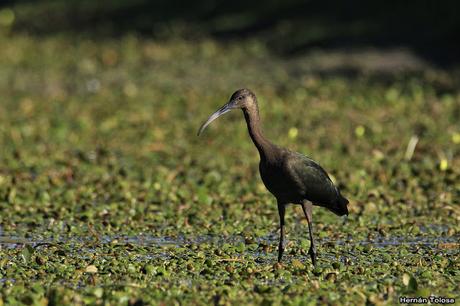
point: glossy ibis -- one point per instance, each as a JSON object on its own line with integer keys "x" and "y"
{"x": 290, "y": 176}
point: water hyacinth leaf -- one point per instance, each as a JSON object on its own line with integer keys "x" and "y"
{"x": 91, "y": 269}
{"x": 410, "y": 282}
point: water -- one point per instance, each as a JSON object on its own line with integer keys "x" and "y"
{"x": 12, "y": 240}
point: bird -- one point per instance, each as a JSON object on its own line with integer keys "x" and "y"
{"x": 291, "y": 177}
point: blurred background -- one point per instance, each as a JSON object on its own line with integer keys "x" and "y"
{"x": 287, "y": 28}
{"x": 165, "y": 61}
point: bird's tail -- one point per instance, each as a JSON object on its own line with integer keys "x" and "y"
{"x": 340, "y": 208}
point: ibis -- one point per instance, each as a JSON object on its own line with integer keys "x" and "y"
{"x": 291, "y": 177}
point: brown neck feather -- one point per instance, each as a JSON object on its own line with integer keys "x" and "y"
{"x": 264, "y": 146}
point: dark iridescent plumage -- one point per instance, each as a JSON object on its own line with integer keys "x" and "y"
{"x": 290, "y": 176}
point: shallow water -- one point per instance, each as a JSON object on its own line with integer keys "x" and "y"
{"x": 8, "y": 240}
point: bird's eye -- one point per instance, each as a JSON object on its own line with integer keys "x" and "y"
{"x": 239, "y": 98}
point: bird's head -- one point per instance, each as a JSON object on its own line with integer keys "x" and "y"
{"x": 242, "y": 98}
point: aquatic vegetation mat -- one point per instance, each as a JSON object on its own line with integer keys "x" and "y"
{"x": 108, "y": 196}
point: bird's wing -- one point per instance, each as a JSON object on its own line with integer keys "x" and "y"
{"x": 311, "y": 179}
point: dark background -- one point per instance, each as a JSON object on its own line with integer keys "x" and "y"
{"x": 429, "y": 28}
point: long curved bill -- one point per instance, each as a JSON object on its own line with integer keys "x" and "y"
{"x": 224, "y": 109}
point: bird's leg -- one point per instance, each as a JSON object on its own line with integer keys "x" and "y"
{"x": 281, "y": 210}
{"x": 307, "y": 208}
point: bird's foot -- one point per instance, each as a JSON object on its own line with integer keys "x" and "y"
{"x": 312, "y": 252}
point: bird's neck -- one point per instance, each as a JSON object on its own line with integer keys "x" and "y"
{"x": 263, "y": 145}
